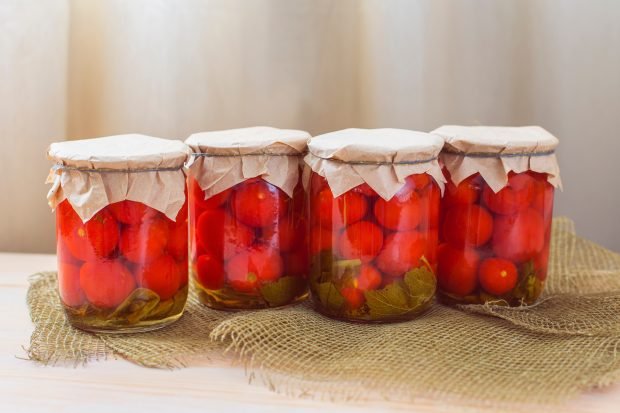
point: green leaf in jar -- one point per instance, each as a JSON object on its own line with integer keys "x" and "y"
{"x": 283, "y": 291}
{"x": 529, "y": 287}
{"x": 409, "y": 295}
{"x": 137, "y": 306}
{"x": 329, "y": 296}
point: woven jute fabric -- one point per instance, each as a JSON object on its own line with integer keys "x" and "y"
{"x": 482, "y": 355}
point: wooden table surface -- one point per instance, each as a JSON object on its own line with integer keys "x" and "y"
{"x": 26, "y": 386}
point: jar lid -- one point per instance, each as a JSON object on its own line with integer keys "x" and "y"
{"x": 497, "y": 140}
{"x": 94, "y": 173}
{"x": 379, "y": 146}
{"x": 381, "y": 158}
{"x": 495, "y": 151}
{"x": 255, "y": 140}
{"x": 131, "y": 151}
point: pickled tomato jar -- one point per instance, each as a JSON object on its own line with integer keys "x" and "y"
{"x": 496, "y": 213}
{"x": 374, "y": 215}
{"x": 247, "y": 218}
{"x": 121, "y": 230}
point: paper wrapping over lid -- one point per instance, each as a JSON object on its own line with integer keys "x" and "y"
{"x": 223, "y": 159}
{"x": 494, "y": 151}
{"x": 382, "y": 158}
{"x": 93, "y": 173}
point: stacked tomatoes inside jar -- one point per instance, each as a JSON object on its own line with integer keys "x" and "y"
{"x": 373, "y": 248}
{"x": 248, "y": 237}
{"x": 125, "y": 267}
{"x": 495, "y": 239}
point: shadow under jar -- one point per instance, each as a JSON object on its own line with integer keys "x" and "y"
{"x": 125, "y": 267}
{"x": 495, "y": 232}
{"x": 373, "y": 248}
{"x": 248, "y": 235}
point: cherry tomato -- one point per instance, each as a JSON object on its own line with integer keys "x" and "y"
{"x": 366, "y": 190}
{"x": 215, "y": 201}
{"x": 401, "y": 252}
{"x": 543, "y": 198}
{"x": 497, "y": 276}
{"x": 258, "y": 203}
{"x": 430, "y": 201}
{"x": 69, "y": 284}
{"x": 368, "y": 278}
{"x": 401, "y": 212}
{"x": 287, "y": 234}
{"x": 106, "y": 283}
{"x": 466, "y": 192}
{"x": 256, "y": 266}
{"x": 320, "y": 239}
{"x": 467, "y": 225}
{"x": 418, "y": 181}
{"x": 336, "y": 213}
{"x": 516, "y": 196}
{"x": 177, "y": 240}
{"x": 457, "y": 269}
{"x": 220, "y": 234}
{"x": 97, "y": 238}
{"x": 519, "y": 237}
{"x": 163, "y": 275}
{"x": 131, "y": 212}
{"x": 431, "y": 241}
{"x": 353, "y": 297}
{"x": 210, "y": 271}
{"x": 362, "y": 240}
{"x": 144, "y": 242}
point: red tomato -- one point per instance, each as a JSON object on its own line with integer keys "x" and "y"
{"x": 198, "y": 196}
{"x": 353, "y": 297}
{"x": 401, "y": 212}
{"x": 516, "y": 196}
{"x": 543, "y": 198}
{"x": 296, "y": 263}
{"x": 69, "y": 284}
{"x": 182, "y": 214}
{"x": 431, "y": 241}
{"x": 317, "y": 183}
{"x": 286, "y": 235}
{"x": 256, "y": 266}
{"x": 401, "y": 252}
{"x": 368, "y": 278}
{"x": 497, "y": 276}
{"x": 430, "y": 201}
{"x": 519, "y": 237}
{"x": 106, "y": 283}
{"x": 419, "y": 181}
{"x": 210, "y": 272}
{"x": 457, "y": 269}
{"x": 335, "y": 213}
{"x": 466, "y": 192}
{"x": 366, "y": 190}
{"x": 321, "y": 239}
{"x": 63, "y": 253}
{"x": 220, "y": 234}
{"x": 297, "y": 203}
{"x": 362, "y": 240}
{"x": 97, "y": 238}
{"x": 131, "y": 212}
{"x": 163, "y": 275}
{"x": 144, "y": 242}
{"x": 469, "y": 225}
{"x": 177, "y": 240}
{"x": 258, "y": 203}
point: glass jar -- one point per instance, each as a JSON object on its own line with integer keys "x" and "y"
{"x": 373, "y": 242}
{"x": 125, "y": 267}
{"x": 494, "y": 238}
{"x": 248, "y": 237}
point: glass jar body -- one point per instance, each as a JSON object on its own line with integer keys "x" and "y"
{"x": 248, "y": 245}
{"x": 373, "y": 260}
{"x": 124, "y": 270}
{"x": 495, "y": 246}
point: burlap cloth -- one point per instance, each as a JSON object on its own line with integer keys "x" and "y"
{"x": 482, "y": 355}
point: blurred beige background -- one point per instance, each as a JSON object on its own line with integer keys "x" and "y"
{"x": 81, "y": 68}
